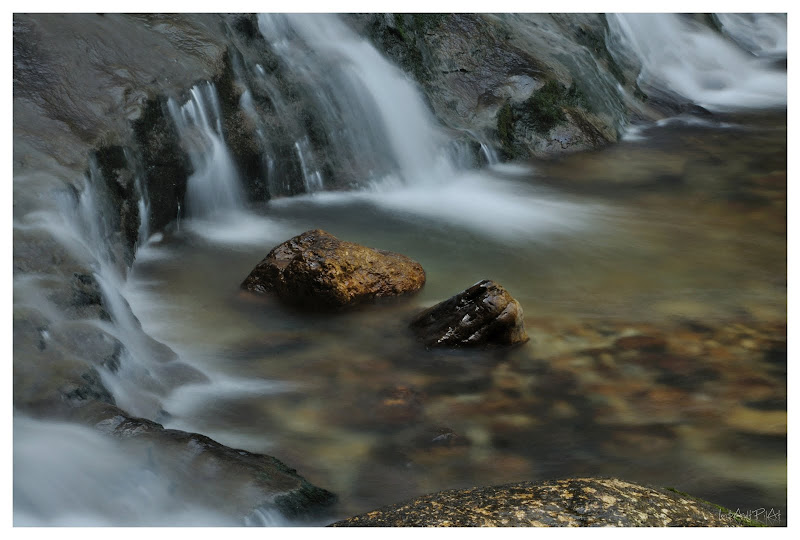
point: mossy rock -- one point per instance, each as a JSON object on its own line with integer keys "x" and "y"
{"x": 545, "y": 108}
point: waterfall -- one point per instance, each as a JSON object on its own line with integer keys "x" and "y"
{"x": 690, "y": 59}
{"x": 762, "y": 34}
{"x": 379, "y": 126}
{"x": 372, "y": 111}
{"x": 81, "y": 224}
{"x": 214, "y": 185}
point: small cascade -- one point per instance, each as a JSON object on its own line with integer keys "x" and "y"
{"x": 94, "y": 480}
{"x": 761, "y": 34}
{"x": 372, "y": 113}
{"x": 312, "y": 179}
{"x": 214, "y": 185}
{"x": 489, "y": 154}
{"x": 138, "y": 385}
{"x": 686, "y": 57}
{"x": 143, "y": 203}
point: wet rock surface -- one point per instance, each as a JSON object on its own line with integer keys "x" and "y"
{"x": 202, "y": 467}
{"x": 581, "y": 502}
{"x": 481, "y": 72}
{"x": 484, "y": 314}
{"x": 316, "y": 269}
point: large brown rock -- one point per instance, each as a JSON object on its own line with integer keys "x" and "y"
{"x": 484, "y": 314}
{"x": 578, "y": 502}
{"x": 316, "y": 269}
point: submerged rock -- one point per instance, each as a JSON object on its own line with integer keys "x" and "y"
{"x": 316, "y": 269}
{"x": 581, "y": 502}
{"x": 484, "y": 314}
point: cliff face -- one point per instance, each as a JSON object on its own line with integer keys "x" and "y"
{"x": 531, "y": 84}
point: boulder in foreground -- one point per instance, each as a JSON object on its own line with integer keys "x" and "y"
{"x": 578, "y": 502}
{"x": 484, "y": 314}
{"x": 316, "y": 269}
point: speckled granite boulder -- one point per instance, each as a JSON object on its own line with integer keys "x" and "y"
{"x": 484, "y": 314}
{"x": 316, "y": 269}
{"x": 581, "y": 502}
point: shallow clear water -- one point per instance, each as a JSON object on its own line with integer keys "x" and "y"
{"x": 679, "y": 232}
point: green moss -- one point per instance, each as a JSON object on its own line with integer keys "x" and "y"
{"x": 545, "y": 108}
{"x": 505, "y": 129}
{"x": 410, "y": 23}
{"x": 424, "y": 22}
{"x": 741, "y": 520}
{"x": 505, "y": 124}
{"x": 410, "y": 28}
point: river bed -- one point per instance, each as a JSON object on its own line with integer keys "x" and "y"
{"x": 677, "y": 233}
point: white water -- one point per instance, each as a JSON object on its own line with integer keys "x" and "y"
{"x": 69, "y": 475}
{"x": 368, "y": 103}
{"x": 214, "y": 185}
{"x": 763, "y": 34}
{"x": 89, "y": 480}
{"x": 376, "y": 111}
{"x": 686, "y": 57}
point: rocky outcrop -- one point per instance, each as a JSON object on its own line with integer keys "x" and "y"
{"x": 316, "y": 269}
{"x": 484, "y": 314}
{"x": 202, "y": 468}
{"x": 581, "y": 502}
{"x": 530, "y": 84}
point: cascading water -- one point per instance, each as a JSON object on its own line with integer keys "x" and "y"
{"x": 93, "y": 480}
{"x": 214, "y": 186}
{"x": 378, "y": 125}
{"x": 372, "y": 111}
{"x": 142, "y": 379}
{"x": 762, "y": 34}
{"x": 686, "y": 57}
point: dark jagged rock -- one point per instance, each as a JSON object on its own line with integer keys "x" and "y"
{"x": 316, "y": 269}
{"x": 119, "y": 182}
{"x": 474, "y": 68}
{"x": 203, "y": 467}
{"x": 581, "y": 502}
{"x": 238, "y": 128}
{"x": 166, "y": 164}
{"x": 484, "y": 314}
{"x": 91, "y": 389}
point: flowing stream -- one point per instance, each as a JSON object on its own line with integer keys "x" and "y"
{"x": 678, "y": 231}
